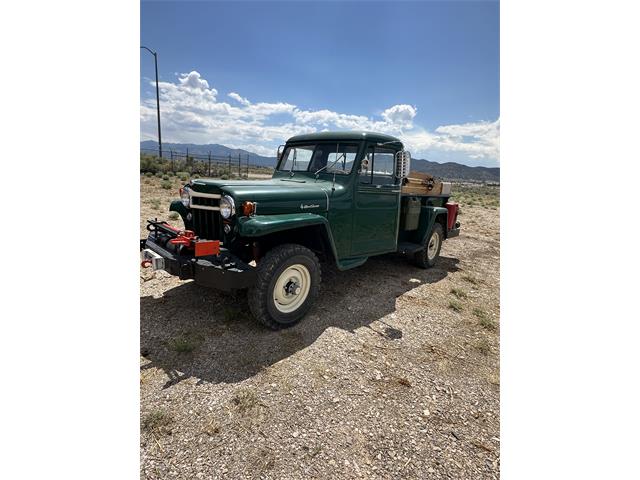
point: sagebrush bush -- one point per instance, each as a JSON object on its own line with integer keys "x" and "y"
{"x": 166, "y": 184}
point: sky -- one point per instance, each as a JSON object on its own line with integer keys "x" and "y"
{"x": 252, "y": 74}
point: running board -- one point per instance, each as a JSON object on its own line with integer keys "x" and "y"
{"x": 408, "y": 248}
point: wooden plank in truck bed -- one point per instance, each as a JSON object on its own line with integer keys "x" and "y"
{"x": 423, "y": 184}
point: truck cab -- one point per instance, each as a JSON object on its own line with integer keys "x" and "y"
{"x": 337, "y": 197}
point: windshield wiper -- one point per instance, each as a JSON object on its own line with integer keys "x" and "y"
{"x": 330, "y": 165}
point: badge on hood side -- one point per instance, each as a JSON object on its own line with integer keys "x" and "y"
{"x": 304, "y": 207}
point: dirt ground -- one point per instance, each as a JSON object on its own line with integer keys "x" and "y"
{"x": 393, "y": 374}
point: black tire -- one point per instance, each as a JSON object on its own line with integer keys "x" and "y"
{"x": 261, "y": 296}
{"x": 421, "y": 258}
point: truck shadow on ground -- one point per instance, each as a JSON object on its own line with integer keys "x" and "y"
{"x": 194, "y": 332}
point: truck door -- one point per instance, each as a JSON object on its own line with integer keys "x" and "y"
{"x": 377, "y": 197}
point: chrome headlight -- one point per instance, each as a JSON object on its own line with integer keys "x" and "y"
{"x": 185, "y": 198}
{"x": 227, "y": 206}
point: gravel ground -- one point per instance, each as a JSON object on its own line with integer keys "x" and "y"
{"x": 393, "y": 374}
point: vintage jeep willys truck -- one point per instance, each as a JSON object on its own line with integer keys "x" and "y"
{"x": 341, "y": 197}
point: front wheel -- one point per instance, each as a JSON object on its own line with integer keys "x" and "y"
{"x": 287, "y": 284}
{"x": 427, "y": 256}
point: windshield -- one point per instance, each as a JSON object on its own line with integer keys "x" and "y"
{"x": 327, "y": 157}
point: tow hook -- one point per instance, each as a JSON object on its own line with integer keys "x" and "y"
{"x": 146, "y": 263}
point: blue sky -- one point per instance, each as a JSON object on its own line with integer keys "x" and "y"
{"x": 251, "y": 74}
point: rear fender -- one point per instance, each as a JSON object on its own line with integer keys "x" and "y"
{"x": 428, "y": 216}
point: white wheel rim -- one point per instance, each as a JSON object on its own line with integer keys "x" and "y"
{"x": 292, "y": 288}
{"x": 432, "y": 247}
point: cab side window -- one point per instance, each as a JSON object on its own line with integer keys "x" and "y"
{"x": 377, "y": 167}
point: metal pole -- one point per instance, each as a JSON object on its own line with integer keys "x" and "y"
{"x": 247, "y": 165}
{"x": 155, "y": 61}
{"x": 209, "y": 163}
{"x": 239, "y": 171}
{"x": 229, "y": 164}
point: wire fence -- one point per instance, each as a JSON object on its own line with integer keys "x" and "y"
{"x": 192, "y": 163}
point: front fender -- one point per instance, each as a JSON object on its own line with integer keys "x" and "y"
{"x": 260, "y": 225}
{"x": 178, "y": 206}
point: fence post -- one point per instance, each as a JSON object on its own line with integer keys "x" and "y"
{"x": 172, "y": 169}
{"x": 229, "y": 164}
{"x": 239, "y": 172}
{"x": 247, "y": 165}
{"x": 209, "y": 163}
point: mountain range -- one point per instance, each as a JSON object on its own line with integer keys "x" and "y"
{"x": 446, "y": 171}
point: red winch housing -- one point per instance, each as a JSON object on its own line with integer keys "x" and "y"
{"x": 190, "y": 240}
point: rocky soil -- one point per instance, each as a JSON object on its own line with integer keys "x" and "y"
{"x": 393, "y": 374}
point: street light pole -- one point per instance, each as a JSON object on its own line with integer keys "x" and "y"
{"x": 155, "y": 60}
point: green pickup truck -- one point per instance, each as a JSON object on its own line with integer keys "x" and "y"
{"x": 335, "y": 197}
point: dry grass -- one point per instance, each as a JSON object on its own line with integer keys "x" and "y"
{"x": 484, "y": 319}
{"x": 471, "y": 279}
{"x": 484, "y": 347}
{"x": 459, "y": 293}
{"x": 245, "y": 400}
{"x": 158, "y": 421}
{"x": 455, "y": 306}
{"x": 213, "y": 427}
{"x": 484, "y": 196}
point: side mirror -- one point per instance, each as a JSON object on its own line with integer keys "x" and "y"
{"x": 279, "y": 153}
{"x": 403, "y": 163}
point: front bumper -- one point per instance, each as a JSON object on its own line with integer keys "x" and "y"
{"x": 223, "y": 272}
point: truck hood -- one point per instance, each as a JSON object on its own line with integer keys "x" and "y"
{"x": 273, "y": 196}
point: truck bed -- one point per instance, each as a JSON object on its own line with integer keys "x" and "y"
{"x": 424, "y": 185}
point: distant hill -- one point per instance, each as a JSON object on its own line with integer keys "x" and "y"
{"x": 456, "y": 171}
{"x": 217, "y": 150}
{"x": 446, "y": 171}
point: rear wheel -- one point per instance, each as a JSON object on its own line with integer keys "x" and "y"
{"x": 428, "y": 255}
{"x": 287, "y": 284}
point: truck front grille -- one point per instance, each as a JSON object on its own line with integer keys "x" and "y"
{"x": 206, "y": 224}
{"x": 205, "y": 208}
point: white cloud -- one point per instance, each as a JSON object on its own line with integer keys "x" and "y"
{"x": 477, "y": 140}
{"x": 193, "y": 80}
{"x": 400, "y": 114}
{"x": 239, "y": 99}
{"x": 192, "y": 113}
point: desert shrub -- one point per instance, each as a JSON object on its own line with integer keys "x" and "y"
{"x": 166, "y": 184}
{"x": 165, "y": 177}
